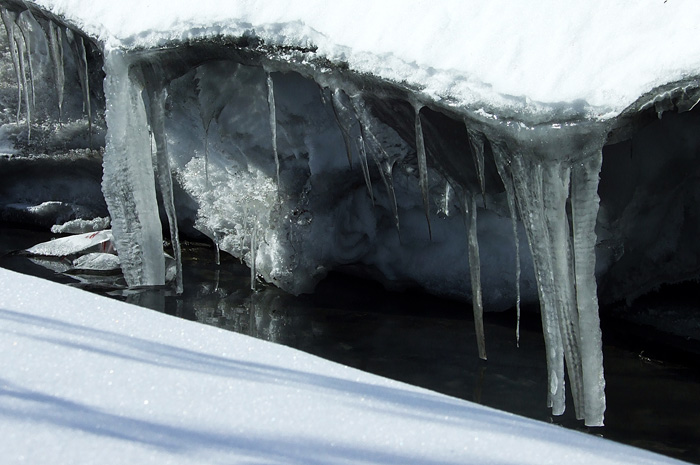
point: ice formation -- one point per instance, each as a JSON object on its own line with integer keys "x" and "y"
{"x": 71, "y": 245}
{"x": 300, "y": 146}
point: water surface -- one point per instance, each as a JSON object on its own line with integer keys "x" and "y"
{"x": 653, "y": 388}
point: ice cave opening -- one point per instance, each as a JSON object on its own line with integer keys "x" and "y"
{"x": 299, "y": 165}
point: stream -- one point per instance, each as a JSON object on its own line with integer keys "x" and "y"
{"x": 653, "y": 378}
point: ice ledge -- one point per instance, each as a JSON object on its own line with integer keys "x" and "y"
{"x": 532, "y": 63}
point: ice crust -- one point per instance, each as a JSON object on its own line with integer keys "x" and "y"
{"x": 257, "y": 110}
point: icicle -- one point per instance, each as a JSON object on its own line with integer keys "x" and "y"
{"x": 273, "y": 124}
{"x": 25, "y": 87}
{"x": 385, "y": 167}
{"x": 18, "y": 51}
{"x": 9, "y": 19}
{"x": 56, "y": 51}
{"x": 556, "y": 179}
{"x": 527, "y": 180}
{"x": 507, "y": 178}
{"x": 365, "y": 168}
{"x": 86, "y": 88}
{"x": 477, "y": 142}
{"x": 165, "y": 180}
{"x": 584, "y": 209}
{"x": 128, "y": 182}
{"x": 253, "y": 255}
{"x": 447, "y": 198}
{"x": 381, "y": 158}
{"x": 386, "y": 170}
{"x": 80, "y": 53}
{"x": 545, "y": 183}
{"x": 25, "y": 27}
{"x": 217, "y": 253}
{"x": 206, "y": 155}
{"x": 340, "y": 111}
{"x": 475, "y": 272}
{"x": 423, "y": 169}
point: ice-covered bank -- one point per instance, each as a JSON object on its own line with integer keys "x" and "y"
{"x": 94, "y": 380}
{"x": 414, "y": 143}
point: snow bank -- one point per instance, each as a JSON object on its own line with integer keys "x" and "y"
{"x": 504, "y": 55}
{"x": 95, "y": 380}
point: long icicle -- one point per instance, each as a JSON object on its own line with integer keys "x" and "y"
{"x": 80, "y": 55}
{"x": 25, "y": 27}
{"x": 19, "y": 40}
{"x": 162, "y": 162}
{"x": 362, "y": 152}
{"x": 388, "y": 178}
{"x": 556, "y": 181}
{"x": 338, "y": 107}
{"x": 128, "y": 177}
{"x": 584, "y": 209}
{"x": 422, "y": 168}
{"x": 447, "y": 198}
{"x": 56, "y": 51}
{"x": 86, "y": 79}
{"x": 527, "y": 180}
{"x": 273, "y": 124}
{"x": 385, "y": 167}
{"x": 8, "y": 19}
{"x": 253, "y": 255}
{"x": 206, "y": 155}
{"x": 211, "y": 100}
{"x": 477, "y": 142}
{"x": 507, "y": 178}
{"x": 475, "y": 272}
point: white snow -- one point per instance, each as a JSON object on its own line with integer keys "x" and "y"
{"x": 74, "y": 244}
{"x": 503, "y": 53}
{"x": 90, "y": 380}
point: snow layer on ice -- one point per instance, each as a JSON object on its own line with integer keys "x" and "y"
{"x": 71, "y": 245}
{"x": 95, "y": 380}
{"x": 601, "y": 55}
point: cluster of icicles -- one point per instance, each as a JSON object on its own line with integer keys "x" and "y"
{"x": 26, "y": 35}
{"x": 550, "y": 175}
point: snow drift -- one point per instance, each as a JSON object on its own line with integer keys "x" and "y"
{"x": 419, "y": 145}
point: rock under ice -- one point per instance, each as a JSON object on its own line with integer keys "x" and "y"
{"x": 302, "y": 151}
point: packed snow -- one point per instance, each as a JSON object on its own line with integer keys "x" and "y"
{"x": 87, "y": 379}
{"x": 599, "y": 54}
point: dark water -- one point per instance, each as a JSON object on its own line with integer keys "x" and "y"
{"x": 653, "y": 383}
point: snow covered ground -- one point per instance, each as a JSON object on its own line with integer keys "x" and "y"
{"x": 90, "y": 380}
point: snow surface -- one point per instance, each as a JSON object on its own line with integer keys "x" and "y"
{"x": 601, "y": 54}
{"x": 71, "y": 245}
{"x": 92, "y": 380}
